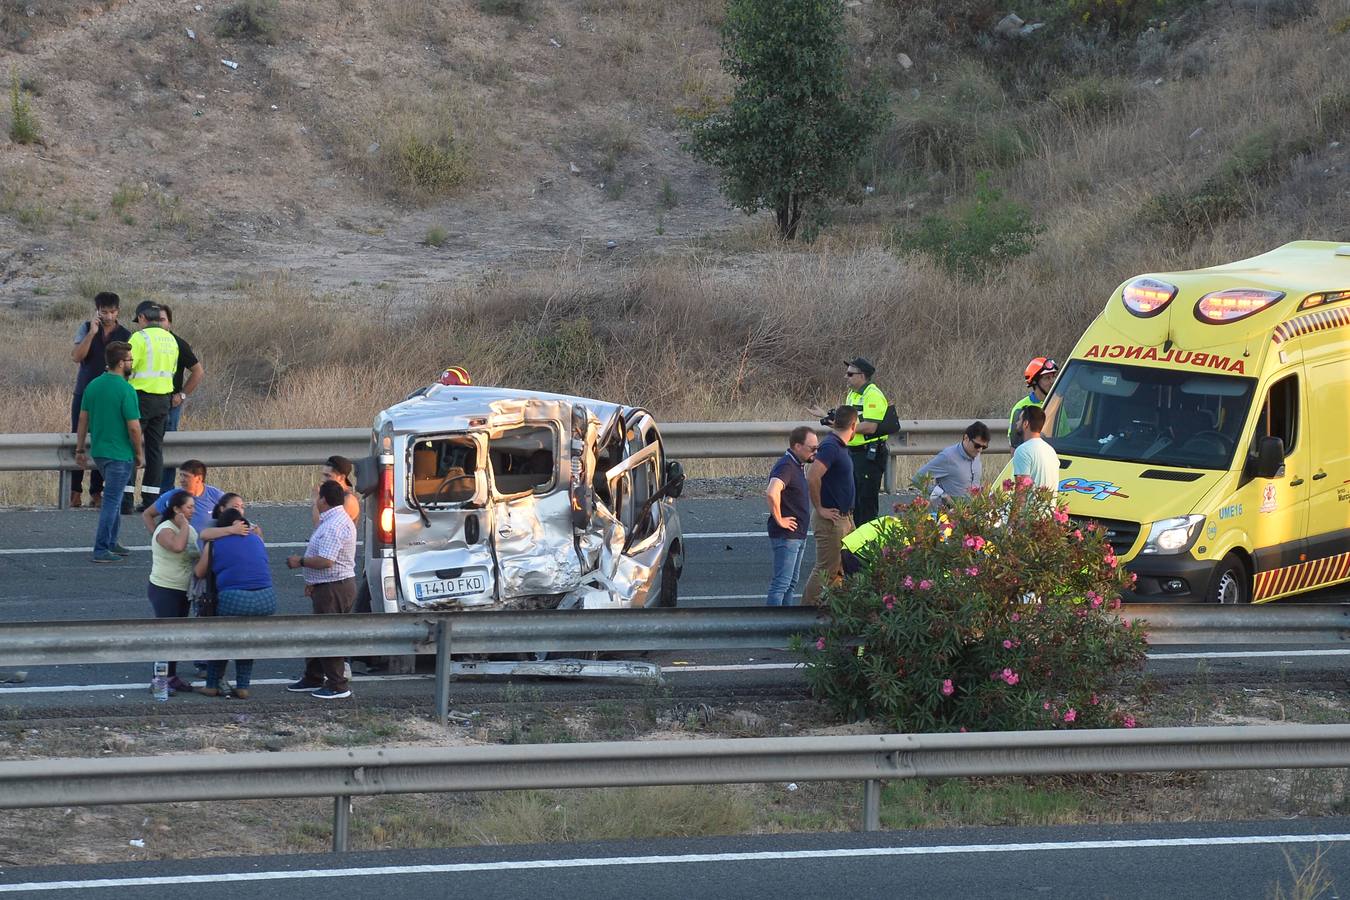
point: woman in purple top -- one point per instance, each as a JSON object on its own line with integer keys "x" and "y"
{"x": 243, "y": 579}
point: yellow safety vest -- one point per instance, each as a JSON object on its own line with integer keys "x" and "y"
{"x": 154, "y": 359}
{"x": 871, "y": 406}
{"x": 869, "y": 533}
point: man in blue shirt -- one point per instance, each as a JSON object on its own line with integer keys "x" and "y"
{"x": 956, "y": 469}
{"x": 789, "y": 513}
{"x": 830, "y": 481}
{"x": 191, "y": 478}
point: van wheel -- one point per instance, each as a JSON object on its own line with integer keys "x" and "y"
{"x": 1229, "y": 585}
{"x": 670, "y": 584}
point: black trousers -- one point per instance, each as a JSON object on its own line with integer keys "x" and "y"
{"x": 869, "y": 463}
{"x": 154, "y": 418}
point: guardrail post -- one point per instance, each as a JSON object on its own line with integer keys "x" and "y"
{"x": 871, "y": 805}
{"x": 443, "y": 673}
{"x": 63, "y": 489}
{"x": 342, "y": 814}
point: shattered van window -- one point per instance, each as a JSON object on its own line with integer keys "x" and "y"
{"x": 443, "y": 469}
{"x": 523, "y": 459}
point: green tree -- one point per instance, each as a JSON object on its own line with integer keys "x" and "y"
{"x": 794, "y": 126}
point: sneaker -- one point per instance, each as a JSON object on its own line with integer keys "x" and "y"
{"x": 239, "y": 694}
{"x": 106, "y": 557}
{"x": 179, "y": 686}
{"x": 120, "y": 550}
{"x": 330, "y": 694}
{"x": 303, "y": 687}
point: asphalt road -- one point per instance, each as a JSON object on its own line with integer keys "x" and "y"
{"x": 46, "y": 574}
{"x": 1224, "y": 860}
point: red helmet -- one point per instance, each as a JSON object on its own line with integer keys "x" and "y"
{"x": 455, "y": 375}
{"x": 1038, "y": 367}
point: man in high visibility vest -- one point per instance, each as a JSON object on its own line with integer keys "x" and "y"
{"x": 154, "y": 359}
{"x": 867, "y": 448}
{"x": 858, "y": 547}
{"x": 1040, "y": 375}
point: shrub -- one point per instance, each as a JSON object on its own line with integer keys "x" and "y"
{"x": 515, "y": 9}
{"x": 23, "y": 126}
{"x": 995, "y": 615}
{"x": 1091, "y": 98}
{"x": 253, "y": 20}
{"x": 426, "y": 166}
{"x": 436, "y": 236}
{"x": 565, "y": 355}
{"x": 983, "y": 235}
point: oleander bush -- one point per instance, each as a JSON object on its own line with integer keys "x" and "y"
{"x": 997, "y": 613}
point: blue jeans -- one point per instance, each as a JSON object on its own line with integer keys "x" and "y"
{"x": 116, "y": 473}
{"x": 787, "y": 563}
{"x": 170, "y": 473}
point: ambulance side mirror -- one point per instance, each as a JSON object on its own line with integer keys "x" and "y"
{"x": 1269, "y": 458}
{"x": 674, "y": 479}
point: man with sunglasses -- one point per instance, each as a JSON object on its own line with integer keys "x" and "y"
{"x": 957, "y": 468}
{"x": 1040, "y": 375}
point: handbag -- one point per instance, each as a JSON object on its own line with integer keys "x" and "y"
{"x": 202, "y": 594}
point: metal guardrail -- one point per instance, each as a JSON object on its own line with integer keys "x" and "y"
{"x": 343, "y": 774}
{"x": 687, "y": 440}
{"x": 561, "y": 631}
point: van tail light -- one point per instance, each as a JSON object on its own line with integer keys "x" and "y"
{"x": 384, "y": 518}
{"x": 1146, "y": 297}
{"x": 1219, "y": 307}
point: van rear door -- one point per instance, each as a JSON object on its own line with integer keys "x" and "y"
{"x": 1329, "y": 502}
{"x": 443, "y": 541}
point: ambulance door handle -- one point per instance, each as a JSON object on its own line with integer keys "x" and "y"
{"x": 1296, "y": 482}
{"x": 1319, "y": 476}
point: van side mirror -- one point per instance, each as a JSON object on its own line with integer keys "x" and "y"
{"x": 674, "y": 479}
{"x": 1269, "y": 458}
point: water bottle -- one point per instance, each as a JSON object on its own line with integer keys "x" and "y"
{"x": 160, "y": 685}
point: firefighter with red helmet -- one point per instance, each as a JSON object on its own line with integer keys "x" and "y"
{"x": 1040, "y": 376}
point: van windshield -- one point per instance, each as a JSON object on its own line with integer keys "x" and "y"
{"x": 1154, "y": 416}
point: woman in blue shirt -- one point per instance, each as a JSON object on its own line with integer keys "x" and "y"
{"x": 243, "y": 588}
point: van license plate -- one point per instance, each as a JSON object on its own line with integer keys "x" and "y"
{"x": 463, "y": 586}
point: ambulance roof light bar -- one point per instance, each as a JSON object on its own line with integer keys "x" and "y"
{"x": 1323, "y": 299}
{"x": 1221, "y": 307}
{"x": 1146, "y": 297}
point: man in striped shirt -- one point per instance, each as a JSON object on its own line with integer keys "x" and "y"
{"x": 330, "y": 583}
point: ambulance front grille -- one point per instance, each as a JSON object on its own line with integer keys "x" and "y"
{"x": 1120, "y": 534}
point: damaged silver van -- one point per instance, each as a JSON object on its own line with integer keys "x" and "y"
{"x": 489, "y": 498}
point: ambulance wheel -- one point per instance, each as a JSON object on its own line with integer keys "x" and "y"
{"x": 1229, "y": 585}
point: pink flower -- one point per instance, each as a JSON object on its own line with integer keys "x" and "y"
{"x": 963, "y": 729}
{"x": 1093, "y": 700}
{"x": 947, "y": 688}
{"x": 1080, "y": 612}
{"x": 975, "y": 489}
{"x": 1007, "y": 484}
{"x": 1124, "y": 623}
{"x": 1024, "y": 481}
{"x": 918, "y": 502}
{"x": 1129, "y": 722}
{"x": 888, "y": 601}
{"x": 925, "y": 584}
{"x": 1077, "y": 534}
{"x": 1060, "y": 515}
{"x": 1070, "y": 714}
{"x": 1007, "y": 644}
{"x": 1017, "y": 617}
{"x": 908, "y": 582}
{"x": 1008, "y": 676}
{"x": 1133, "y": 578}
{"x": 1045, "y": 705}
{"x": 1092, "y": 526}
{"x": 972, "y": 571}
{"x": 1095, "y": 599}
{"x": 969, "y": 542}
{"x": 820, "y": 643}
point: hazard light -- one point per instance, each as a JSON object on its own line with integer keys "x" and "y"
{"x": 384, "y": 521}
{"x": 1239, "y": 303}
{"x": 1313, "y": 300}
{"x": 1146, "y": 297}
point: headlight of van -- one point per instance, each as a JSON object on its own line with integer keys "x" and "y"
{"x": 1173, "y": 535}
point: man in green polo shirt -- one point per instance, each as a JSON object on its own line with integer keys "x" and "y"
{"x": 109, "y": 432}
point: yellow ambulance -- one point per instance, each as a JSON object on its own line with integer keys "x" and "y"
{"x": 1204, "y": 420}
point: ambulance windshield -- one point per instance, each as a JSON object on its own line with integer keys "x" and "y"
{"x": 1159, "y": 417}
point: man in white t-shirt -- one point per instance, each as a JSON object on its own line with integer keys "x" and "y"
{"x": 1034, "y": 457}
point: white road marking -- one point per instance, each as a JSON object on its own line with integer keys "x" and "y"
{"x": 701, "y": 536}
{"x": 703, "y": 858}
{"x": 1247, "y": 654}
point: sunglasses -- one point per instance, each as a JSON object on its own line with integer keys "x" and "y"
{"x": 851, "y": 373}
{"x": 977, "y": 445}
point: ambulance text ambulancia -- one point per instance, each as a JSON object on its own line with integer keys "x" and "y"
{"x": 1204, "y": 420}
